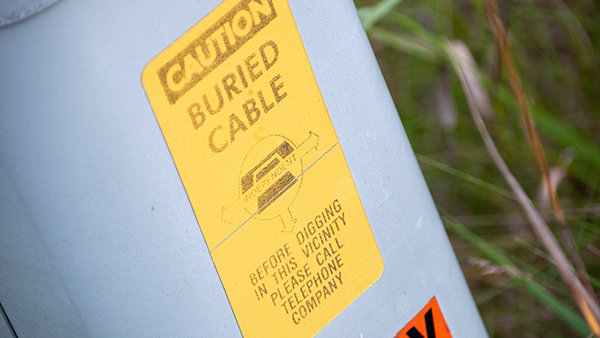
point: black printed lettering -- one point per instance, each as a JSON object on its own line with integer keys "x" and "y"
{"x": 276, "y": 88}
{"x": 235, "y": 125}
{"x": 229, "y": 85}
{"x": 211, "y": 141}
{"x": 250, "y": 66}
{"x": 269, "y": 58}
{"x": 414, "y": 333}
{"x": 195, "y": 113}
{"x": 251, "y": 111}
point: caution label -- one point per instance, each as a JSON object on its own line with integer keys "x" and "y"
{"x": 243, "y": 117}
{"x": 429, "y": 323}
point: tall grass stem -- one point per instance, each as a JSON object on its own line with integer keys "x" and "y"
{"x": 461, "y": 59}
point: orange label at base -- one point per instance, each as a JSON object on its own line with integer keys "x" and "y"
{"x": 429, "y": 323}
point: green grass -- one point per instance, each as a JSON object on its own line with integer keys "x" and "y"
{"x": 556, "y": 50}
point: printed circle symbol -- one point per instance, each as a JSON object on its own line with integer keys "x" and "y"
{"x": 270, "y": 177}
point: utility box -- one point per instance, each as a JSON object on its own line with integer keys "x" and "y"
{"x": 185, "y": 169}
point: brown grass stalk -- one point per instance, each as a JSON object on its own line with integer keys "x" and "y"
{"x": 534, "y": 140}
{"x": 462, "y": 62}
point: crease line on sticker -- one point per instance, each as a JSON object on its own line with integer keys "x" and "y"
{"x": 268, "y": 202}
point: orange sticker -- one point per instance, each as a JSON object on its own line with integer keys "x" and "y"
{"x": 429, "y": 323}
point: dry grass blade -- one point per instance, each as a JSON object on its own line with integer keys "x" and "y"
{"x": 461, "y": 60}
{"x": 478, "y": 92}
{"x": 515, "y": 82}
{"x": 557, "y": 175}
{"x": 371, "y": 15}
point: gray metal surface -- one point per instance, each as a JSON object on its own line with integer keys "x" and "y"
{"x": 6, "y": 330}
{"x": 15, "y": 10}
{"x": 97, "y": 237}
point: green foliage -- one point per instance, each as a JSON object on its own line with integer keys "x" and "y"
{"x": 555, "y": 46}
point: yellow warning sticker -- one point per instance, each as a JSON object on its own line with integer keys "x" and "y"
{"x": 243, "y": 117}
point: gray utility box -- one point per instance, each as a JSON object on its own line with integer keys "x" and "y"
{"x": 204, "y": 169}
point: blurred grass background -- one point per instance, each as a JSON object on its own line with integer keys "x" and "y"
{"x": 555, "y": 47}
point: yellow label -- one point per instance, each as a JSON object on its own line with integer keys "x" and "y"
{"x": 245, "y": 122}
